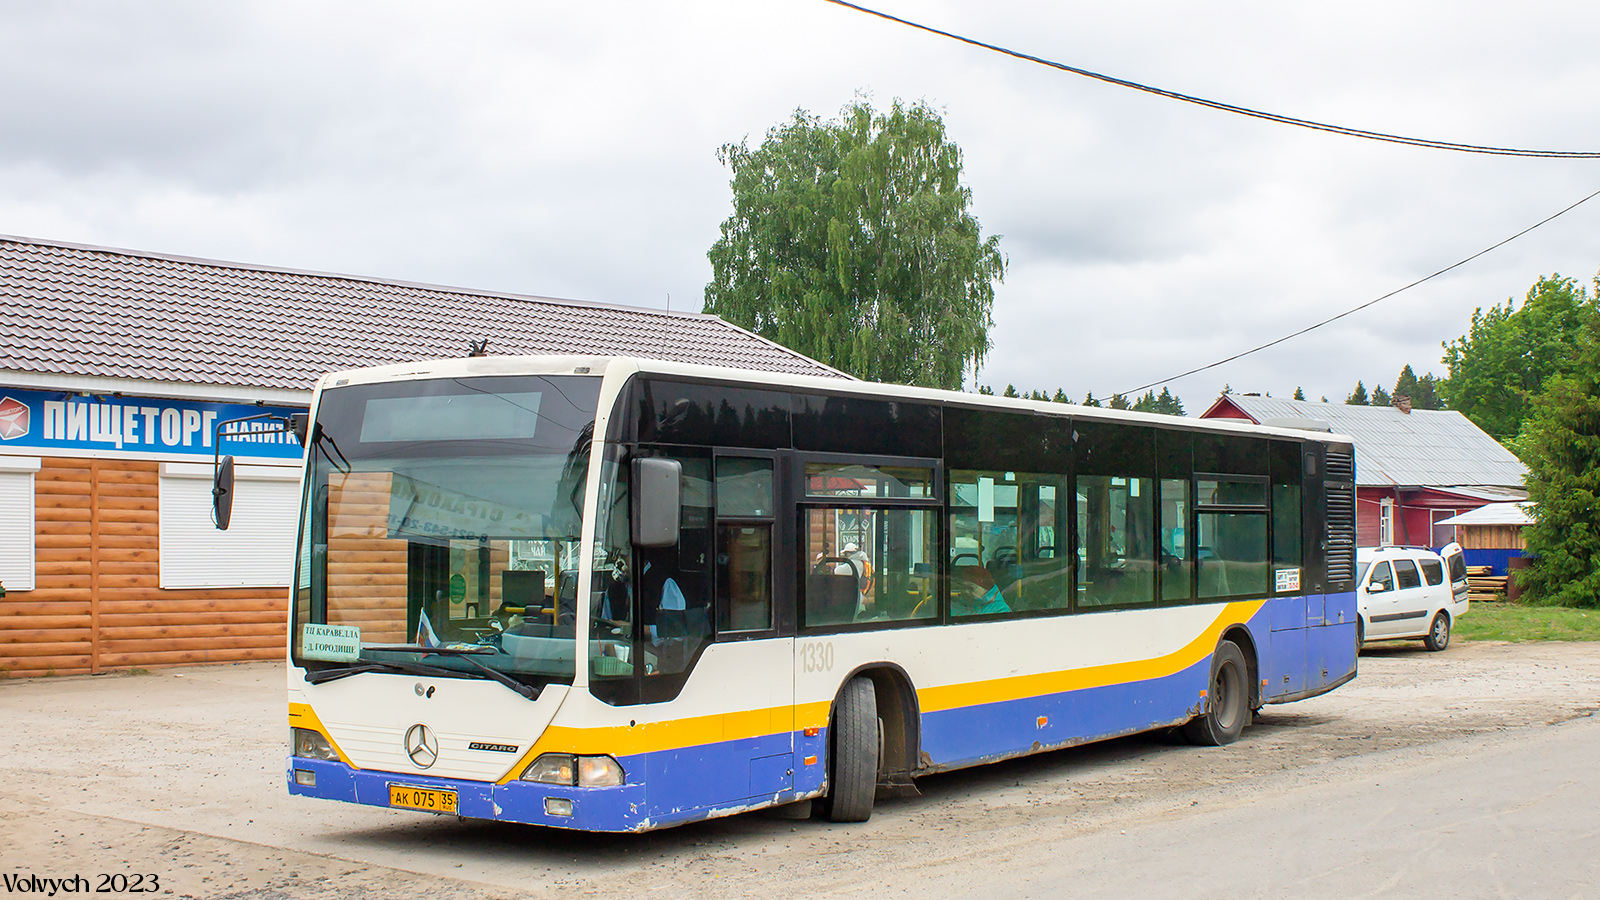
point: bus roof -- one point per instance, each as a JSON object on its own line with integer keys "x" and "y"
{"x": 601, "y": 365}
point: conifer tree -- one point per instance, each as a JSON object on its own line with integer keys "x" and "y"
{"x": 1561, "y": 446}
{"x": 1165, "y": 404}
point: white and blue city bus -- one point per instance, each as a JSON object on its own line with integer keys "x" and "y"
{"x": 617, "y": 594}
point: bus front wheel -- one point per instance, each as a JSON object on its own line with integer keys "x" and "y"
{"x": 1227, "y": 700}
{"x": 853, "y": 754}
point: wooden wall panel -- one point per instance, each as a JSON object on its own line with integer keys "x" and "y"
{"x": 367, "y": 566}
{"x": 46, "y": 630}
{"x": 50, "y": 630}
{"x": 1492, "y": 537}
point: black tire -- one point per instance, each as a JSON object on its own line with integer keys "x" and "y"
{"x": 1438, "y": 632}
{"x": 853, "y": 754}
{"x": 1361, "y": 634}
{"x": 1227, "y": 700}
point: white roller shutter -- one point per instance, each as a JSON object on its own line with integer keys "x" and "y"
{"x": 16, "y": 521}
{"x": 257, "y": 550}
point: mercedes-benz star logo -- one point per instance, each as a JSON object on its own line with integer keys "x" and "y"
{"x": 422, "y": 746}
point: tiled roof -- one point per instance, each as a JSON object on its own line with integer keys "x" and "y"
{"x": 1423, "y": 447}
{"x": 68, "y": 309}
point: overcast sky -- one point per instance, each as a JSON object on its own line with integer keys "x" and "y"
{"x": 569, "y": 150}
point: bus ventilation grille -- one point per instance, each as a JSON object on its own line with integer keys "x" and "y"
{"x": 1341, "y": 494}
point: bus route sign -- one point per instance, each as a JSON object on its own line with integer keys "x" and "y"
{"x": 334, "y": 643}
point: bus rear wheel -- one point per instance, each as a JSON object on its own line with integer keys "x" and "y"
{"x": 853, "y": 754}
{"x": 1227, "y": 700}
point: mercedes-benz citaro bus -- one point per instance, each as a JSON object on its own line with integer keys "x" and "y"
{"x": 617, "y": 594}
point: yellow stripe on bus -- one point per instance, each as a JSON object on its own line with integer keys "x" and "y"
{"x": 651, "y": 737}
{"x": 956, "y": 696}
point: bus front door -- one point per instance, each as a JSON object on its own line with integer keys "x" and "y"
{"x": 750, "y": 604}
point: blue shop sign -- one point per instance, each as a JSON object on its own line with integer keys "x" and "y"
{"x": 53, "y": 420}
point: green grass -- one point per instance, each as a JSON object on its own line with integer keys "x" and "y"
{"x": 1515, "y": 622}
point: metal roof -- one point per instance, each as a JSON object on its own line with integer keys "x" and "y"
{"x": 1421, "y": 448}
{"x": 75, "y": 310}
{"x": 1494, "y": 514}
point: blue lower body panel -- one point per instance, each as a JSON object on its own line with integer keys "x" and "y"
{"x": 686, "y": 784}
{"x": 1311, "y": 648}
{"x": 970, "y": 735}
{"x": 593, "y": 809}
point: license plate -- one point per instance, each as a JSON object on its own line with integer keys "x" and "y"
{"x": 422, "y": 798}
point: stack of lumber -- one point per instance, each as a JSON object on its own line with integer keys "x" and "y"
{"x": 1481, "y": 586}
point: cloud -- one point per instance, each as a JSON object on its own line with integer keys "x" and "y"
{"x": 569, "y": 150}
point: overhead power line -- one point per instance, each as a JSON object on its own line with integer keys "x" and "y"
{"x": 1357, "y": 309}
{"x": 1229, "y": 107}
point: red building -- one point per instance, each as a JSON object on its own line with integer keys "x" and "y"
{"x": 1414, "y": 467}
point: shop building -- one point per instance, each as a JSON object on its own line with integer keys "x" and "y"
{"x": 115, "y": 368}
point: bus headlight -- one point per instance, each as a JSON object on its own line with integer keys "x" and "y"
{"x": 304, "y": 742}
{"x": 598, "y": 771}
{"x": 553, "y": 768}
{"x": 567, "y": 770}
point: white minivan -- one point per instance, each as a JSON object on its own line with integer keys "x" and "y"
{"x": 1405, "y": 593}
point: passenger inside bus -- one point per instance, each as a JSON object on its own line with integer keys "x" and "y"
{"x": 973, "y": 592}
{"x": 675, "y": 624}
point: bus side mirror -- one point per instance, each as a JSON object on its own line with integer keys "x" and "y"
{"x": 657, "y": 497}
{"x": 222, "y": 494}
{"x": 298, "y": 424}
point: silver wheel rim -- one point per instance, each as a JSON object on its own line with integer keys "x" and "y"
{"x": 1227, "y": 696}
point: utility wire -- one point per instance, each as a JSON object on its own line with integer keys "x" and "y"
{"x": 1229, "y": 107}
{"x": 1357, "y": 309}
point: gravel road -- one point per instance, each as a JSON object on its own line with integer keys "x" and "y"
{"x": 178, "y": 774}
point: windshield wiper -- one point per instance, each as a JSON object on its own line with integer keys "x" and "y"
{"x": 318, "y": 438}
{"x": 408, "y": 668}
{"x": 413, "y": 668}
{"x": 429, "y": 648}
{"x": 532, "y": 693}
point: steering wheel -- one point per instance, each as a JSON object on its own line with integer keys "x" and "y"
{"x": 616, "y": 629}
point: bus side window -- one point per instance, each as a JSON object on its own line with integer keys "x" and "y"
{"x": 1177, "y": 560}
{"x": 674, "y": 593}
{"x": 1234, "y": 557}
{"x": 1287, "y": 513}
{"x": 744, "y": 544}
{"x": 867, "y": 565}
{"x": 1004, "y": 556}
{"x": 1115, "y": 501}
{"x": 1116, "y": 543}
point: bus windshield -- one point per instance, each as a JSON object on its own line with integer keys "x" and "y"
{"x": 441, "y": 527}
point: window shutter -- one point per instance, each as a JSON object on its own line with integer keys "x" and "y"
{"x": 16, "y": 522}
{"x": 257, "y": 550}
